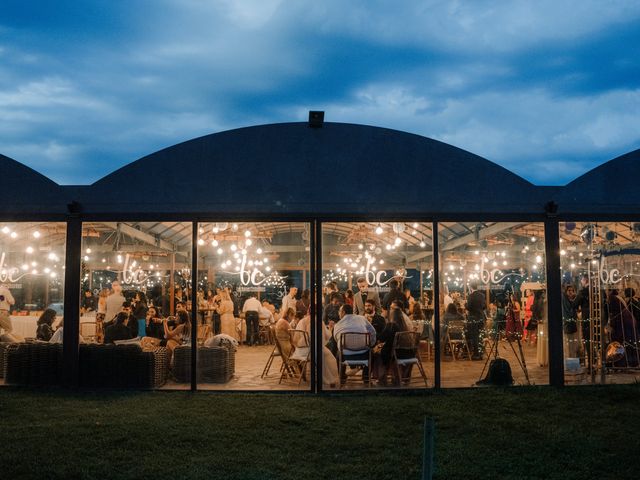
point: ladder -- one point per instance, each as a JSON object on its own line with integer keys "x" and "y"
{"x": 596, "y": 328}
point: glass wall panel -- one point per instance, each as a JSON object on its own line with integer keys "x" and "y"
{"x": 378, "y": 305}
{"x": 254, "y": 295}
{"x": 600, "y": 306}
{"x": 32, "y": 263}
{"x": 135, "y": 304}
{"x": 493, "y": 303}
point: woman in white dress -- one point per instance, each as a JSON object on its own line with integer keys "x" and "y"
{"x": 227, "y": 320}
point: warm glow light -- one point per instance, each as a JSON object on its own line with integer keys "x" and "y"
{"x": 86, "y": 258}
{"x": 259, "y": 251}
{"x": 5, "y": 230}
{"x": 214, "y": 243}
{"x": 219, "y": 251}
{"x": 248, "y": 242}
{"x": 29, "y": 250}
{"x": 14, "y": 235}
{"x": 200, "y": 242}
{"x": 422, "y": 244}
{"x": 247, "y": 233}
{"x": 379, "y": 230}
{"x": 397, "y": 241}
{"x": 36, "y": 234}
{"x": 234, "y": 247}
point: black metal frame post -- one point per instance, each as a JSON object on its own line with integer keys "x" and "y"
{"x": 316, "y": 353}
{"x": 194, "y": 306}
{"x": 316, "y": 305}
{"x": 554, "y": 302}
{"x": 436, "y": 304}
{"x": 71, "y": 332}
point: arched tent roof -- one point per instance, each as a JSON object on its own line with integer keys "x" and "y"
{"x": 291, "y": 168}
{"x": 611, "y": 188}
{"x": 27, "y": 192}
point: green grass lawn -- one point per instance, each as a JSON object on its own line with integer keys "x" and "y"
{"x": 515, "y": 433}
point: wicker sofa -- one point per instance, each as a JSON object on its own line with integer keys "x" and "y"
{"x": 121, "y": 366}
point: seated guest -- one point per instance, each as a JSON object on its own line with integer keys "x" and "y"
{"x": 329, "y": 364}
{"x": 290, "y": 317}
{"x": 350, "y": 323}
{"x": 375, "y": 319}
{"x": 154, "y": 327}
{"x": 180, "y": 334}
{"x": 330, "y": 313}
{"x": 282, "y": 334}
{"x": 45, "y": 322}
{"x": 119, "y": 330}
{"x": 382, "y": 360}
{"x": 58, "y": 335}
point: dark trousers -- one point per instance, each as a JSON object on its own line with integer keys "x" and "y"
{"x": 474, "y": 325}
{"x": 216, "y": 323}
{"x": 253, "y": 327}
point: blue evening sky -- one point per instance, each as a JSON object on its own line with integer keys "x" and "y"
{"x": 547, "y": 89}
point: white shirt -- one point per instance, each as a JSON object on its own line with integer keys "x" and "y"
{"x": 252, "y": 304}
{"x": 287, "y": 303}
{"x": 266, "y": 317}
{"x": 354, "y": 324}
{"x": 8, "y": 300}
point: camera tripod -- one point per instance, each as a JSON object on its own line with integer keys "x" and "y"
{"x": 517, "y": 335}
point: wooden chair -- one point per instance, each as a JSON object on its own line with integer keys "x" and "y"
{"x": 301, "y": 354}
{"x": 274, "y": 353}
{"x": 405, "y": 355}
{"x": 352, "y": 343}
{"x": 456, "y": 337}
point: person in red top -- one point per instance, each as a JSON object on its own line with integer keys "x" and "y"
{"x": 527, "y": 313}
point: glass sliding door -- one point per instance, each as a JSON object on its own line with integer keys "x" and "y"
{"x": 493, "y": 303}
{"x": 377, "y": 312}
{"x": 136, "y": 282}
{"x": 254, "y": 296}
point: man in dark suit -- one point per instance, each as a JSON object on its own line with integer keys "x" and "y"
{"x": 365, "y": 293}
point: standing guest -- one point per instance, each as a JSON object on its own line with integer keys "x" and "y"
{"x": 119, "y": 329}
{"x": 394, "y": 294}
{"x": 44, "y": 331}
{"x": 114, "y": 301}
{"x": 476, "y": 306}
{"x": 528, "y": 303}
{"x": 375, "y": 319}
{"x": 100, "y": 314}
{"x": 623, "y": 330}
{"x": 227, "y": 319}
{"x": 251, "y": 310}
{"x": 6, "y": 300}
{"x": 215, "y": 313}
{"x": 302, "y": 305}
{"x": 570, "y": 321}
{"x": 365, "y": 293}
{"x": 348, "y": 297}
{"x": 289, "y": 300}
{"x": 539, "y": 312}
{"x": 139, "y": 313}
{"x": 410, "y": 300}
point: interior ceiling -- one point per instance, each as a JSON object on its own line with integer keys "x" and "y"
{"x": 163, "y": 238}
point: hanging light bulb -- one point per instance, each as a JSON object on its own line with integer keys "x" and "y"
{"x": 214, "y": 243}
{"x": 259, "y": 251}
{"x": 29, "y": 250}
{"x": 422, "y": 244}
{"x": 397, "y": 241}
{"x": 248, "y": 242}
{"x": 5, "y": 230}
{"x": 247, "y": 233}
{"x": 200, "y": 242}
{"x": 379, "y": 230}
{"x": 36, "y": 234}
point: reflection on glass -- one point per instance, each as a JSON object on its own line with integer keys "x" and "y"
{"x": 600, "y": 308}
{"x": 254, "y": 329}
{"x": 135, "y": 304}
{"x": 377, "y": 304}
{"x": 493, "y": 304}
{"x": 32, "y": 267}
